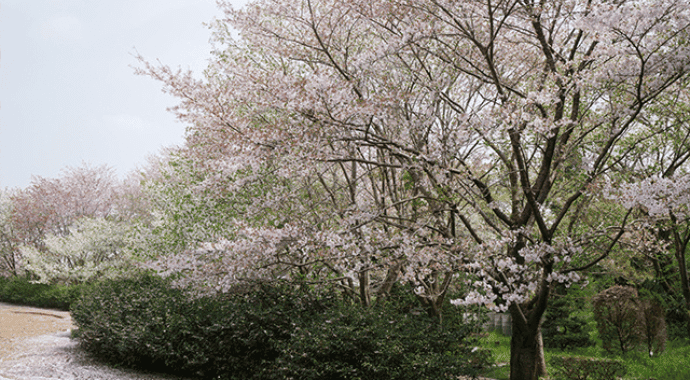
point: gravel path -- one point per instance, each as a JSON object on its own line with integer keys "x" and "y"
{"x": 35, "y": 344}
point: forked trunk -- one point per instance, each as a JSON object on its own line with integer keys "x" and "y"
{"x": 526, "y": 353}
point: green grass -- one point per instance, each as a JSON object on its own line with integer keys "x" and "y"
{"x": 499, "y": 345}
{"x": 672, "y": 364}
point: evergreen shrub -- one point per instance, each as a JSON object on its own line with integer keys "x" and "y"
{"x": 376, "y": 343}
{"x": 21, "y": 291}
{"x": 581, "y": 368}
{"x": 269, "y": 333}
{"x": 563, "y": 328}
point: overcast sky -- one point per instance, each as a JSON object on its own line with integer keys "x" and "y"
{"x": 67, "y": 90}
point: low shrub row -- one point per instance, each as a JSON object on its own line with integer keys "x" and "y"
{"x": 20, "y": 290}
{"x": 271, "y": 333}
{"x": 581, "y": 368}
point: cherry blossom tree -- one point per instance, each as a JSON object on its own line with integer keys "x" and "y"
{"x": 651, "y": 179}
{"x": 206, "y": 221}
{"x": 9, "y": 241}
{"x": 658, "y": 186}
{"x": 74, "y": 227}
{"x": 442, "y": 136}
{"x": 51, "y": 205}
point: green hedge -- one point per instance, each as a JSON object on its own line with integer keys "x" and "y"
{"x": 581, "y": 368}
{"x": 375, "y": 344}
{"x": 267, "y": 334}
{"x": 20, "y": 290}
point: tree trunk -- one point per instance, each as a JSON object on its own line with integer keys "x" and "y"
{"x": 680, "y": 244}
{"x": 391, "y": 279}
{"x": 432, "y": 302}
{"x": 526, "y": 352}
{"x": 364, "y": 293}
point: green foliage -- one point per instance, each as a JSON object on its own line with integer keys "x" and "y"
{"x": 20, "y": 290}
{"x": 376, "y": 343}
{"x": 124, "y": 320}
{"x": 672, "y": 364}
{"x": 676, "y": 318}
{"x": 266, "y": 334}
{"x": 184, "y": 213}
{"x": 563, "y": 327}
{"x": 674, "y": 304}
{"x": 581, "y": 368}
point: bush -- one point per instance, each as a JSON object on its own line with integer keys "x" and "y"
{"x": 616, "y": 313}
{"x": 20, "y": 290}
{"x": 125, "y": 320}
{"x": 580, "y": 368}
{"x": 624, "y": 320}
{"x": 376, "y": 343}
{"x": 271, "y": 333}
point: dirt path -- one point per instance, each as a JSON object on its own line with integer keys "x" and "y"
{"x": 18, "y": 323}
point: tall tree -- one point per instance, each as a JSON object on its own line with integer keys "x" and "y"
{"x": 462, "y": 135}
{"x": 49, "y": 209}
{"x": 9, "y": 240}
{"x": 51, "y": 205}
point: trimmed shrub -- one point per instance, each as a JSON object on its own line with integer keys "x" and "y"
{"x": 617, "y": 314}
{"x": 271, "y": 333}
{"x": 21, "y": 291}
{"x": 133, "y": 321}
{"x": 376, "y": 343}
{"x": 581, "y": 368}
{"x": 653, "y": 326}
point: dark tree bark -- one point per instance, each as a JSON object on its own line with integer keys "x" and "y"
{"x": 526, "y": 345}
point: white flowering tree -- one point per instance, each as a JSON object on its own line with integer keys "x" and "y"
{"x": 92, "y": 249}
{"x": 277, "y": 228}
{"x": 9, "y": 241}
{"x": 424, "y": 138}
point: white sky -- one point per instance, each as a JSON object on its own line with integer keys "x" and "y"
{"x": 67, "y": 90}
